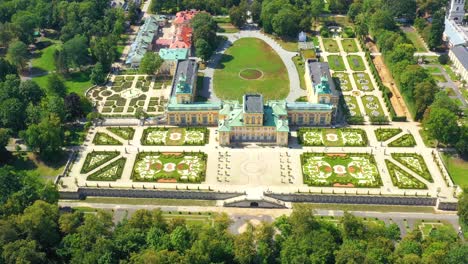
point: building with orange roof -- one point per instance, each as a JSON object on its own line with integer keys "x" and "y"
{"x": 184, "y": 17}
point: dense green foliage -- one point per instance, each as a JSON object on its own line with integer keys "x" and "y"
{"x": 41, "y": 234}
{"x": 214, "y": 7}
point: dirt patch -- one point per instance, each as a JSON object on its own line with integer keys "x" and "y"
{"x": 167, "y": 180}
{"x": 337, "y": 154}
{"x": 348, "y": 185}
{"x": 251, "y": 74}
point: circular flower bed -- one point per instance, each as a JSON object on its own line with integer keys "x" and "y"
{"x": 251, "y": 74}
{"x": 169, "y": 167}
{"x": 175, "y": 136}
{"x": 332, "y": 137}
{"x": 372, "y": 106}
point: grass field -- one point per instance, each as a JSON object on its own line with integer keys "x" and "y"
{"x": 439, "y": 78}
{"x": 356, "y": 63}
{"x": 336, "y": 63}
{"x": 30, "y": 163}
{"x": 457, "y": 168}
{"x": 77, "y": 82}
{"x": 413, "y": 36}
{"x": 251, "y": 53}
{"x": 349, "y": 45}
{"x": 330, "y": 45}
{"x": 300, "y": 69}
{"x": 44, "y": 59}
{"x": 150, "y": 201}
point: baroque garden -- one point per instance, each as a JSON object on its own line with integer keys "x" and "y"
{"x": 248, "y": 134}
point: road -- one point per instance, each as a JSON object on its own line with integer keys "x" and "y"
{"x": 241, "y": 215}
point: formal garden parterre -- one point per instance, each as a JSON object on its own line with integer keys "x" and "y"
{"x": 415, "y": 163}
{"x": 111, "y": 172}
{"x": 349, "y": 45}
{"x": 363, "y": 81}
{"x": 95, "y": 159}
{"x": 158, "y": 136}
{"x": 356, "y": 63}
{"x": 351, "y": 104}
{"x": 126, "y": 133}
{"x": 342, "y": 81}
{"x": 406, "y": 140}
{"x": 155, "y": 167}
{"x": 401, "y": 178}
{"x": 336, "y": 63}
{"x": 102, "y": 138}
{"x": 384, "y": 134}
{"x": 340, "y": 170}
{"x": 332, "y": 137}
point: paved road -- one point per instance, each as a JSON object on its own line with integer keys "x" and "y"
{"x": 294, "y": 83}
{"x": 241, "y": 215}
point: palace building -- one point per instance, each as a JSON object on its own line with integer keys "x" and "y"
{"x": 252, "y": 120}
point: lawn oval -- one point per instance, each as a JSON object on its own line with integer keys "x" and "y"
{"x": 251, "y": 74}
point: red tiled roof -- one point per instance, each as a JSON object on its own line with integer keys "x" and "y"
{"x": 185, "y": 16}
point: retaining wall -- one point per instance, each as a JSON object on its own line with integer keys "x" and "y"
{"x": 138, "y": 193}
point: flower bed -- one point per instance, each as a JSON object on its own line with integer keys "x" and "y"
{"x": 407, "y": 140}
{"x": 126, "y": 133}
{"x": 415, "y": 163}
{"x": 372, "y": 106}
{"x": 384, "y": 134}
{"x": 105, "y": 139}
{"x": 332, "y": 137}
{"x": 347, "y": 169}
{"x": 111, "y": 172}
{"x": 158, "y": 136}
{"x": 97, "y": 158}
{"x": 402, "y": 179}
{"x": 342, "y": 82}
{"x": 363, "y": 81}
{"x": 169, "y": 167}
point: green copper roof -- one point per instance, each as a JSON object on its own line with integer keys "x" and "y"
{"x": 323, "y": 87}
{"x": 173, "y": 54}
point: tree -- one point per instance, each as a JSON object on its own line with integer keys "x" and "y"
{"x": 104, "y": 51}
{"x": 6, "y": 68}
{"x": 45, "y": 137}
{"x": 286, "y": 23}
{"x": 244, "y": 246}
{"x": 353, "y": 228}
{"x": 12, "y": 114}
{"x": 73, "y": 107}
{"x": 17, "y": 54}
{"x": 98, "y": 75}
{"x": 133, "y": 12}
{"x": 462, "y": 143}
{"x": 150, "y": 63}
{"x": 354, "y": 10}
{"x": 442, "y": 125}
{"x": 316, "y": 8}
{"x": 30, "y": 92}
{"x": 40, "y": 222}
{"x": 61, "y": 61}
{"x": 437, "y": 30}
{"x": 77, "y": 50}
{"x": 402, "y": 8}
{"x": 424, "y": 95}
{"x": 443, "y": 59}
{"x": 203, "y": 49}
{"x": 140, "y": 113}
{"x": 256, "y": 10}
{"x": 442, "y": 100}
{"x": 55, "y": 86}
{"x": 4, "y": 138}
{"x": 381, "y": 20}
{"x": 23, "y": 251}
{"x": 25, "y": 23}
{"x": 238, "y": 16}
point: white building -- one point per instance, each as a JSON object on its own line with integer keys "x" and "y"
{"x": 456, "y": 32}
{"x": 459, "y": 57}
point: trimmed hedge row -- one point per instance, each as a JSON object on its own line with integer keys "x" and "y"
{"x": 387, "y": 94}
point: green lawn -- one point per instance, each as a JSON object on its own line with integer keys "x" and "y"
{"x": 77, "y": 82}
{"x": 439, "y": 78}
{"x": 451, "y": 73}
{"x": 330, "y": 45}
{"x": 363, "y": 81}
{"x": 349, "y": 45}
{"x": 32, "y": 164}
{"x": 368, "y": 207}
{"x": 251, "y": 53}
{"x": 356, "y": 63}
{"x": 413, "y": 36}
{"x": 227, "y": 28}
{"x": 300, "y": 69}
{"x": 44, "y": 59}
{"x": 336, "y": 63}
{"x": 433, "y": 69}
{"x": 457, "y": 168}
{"x": 150, "y": 201}
{"x": 372, "y": 105}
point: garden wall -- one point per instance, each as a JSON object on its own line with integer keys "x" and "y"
{"x": 134, "y": 193}
{"x": 354, "y": 199}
